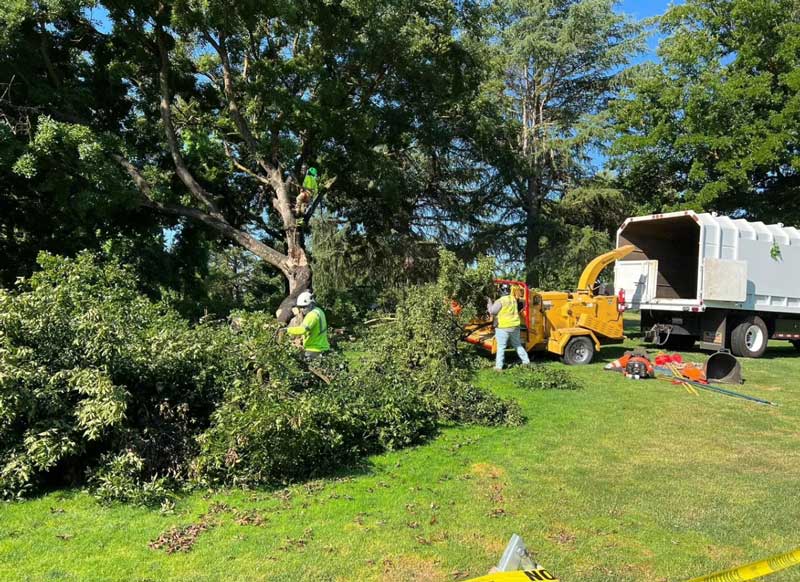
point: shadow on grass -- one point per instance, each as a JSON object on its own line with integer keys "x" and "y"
{"x": 60, "y": 491}
{"x": 776, "y": 352}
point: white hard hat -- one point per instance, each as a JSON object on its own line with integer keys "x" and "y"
{"x": 305, "y": 299}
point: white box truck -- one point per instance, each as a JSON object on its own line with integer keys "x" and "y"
{"x": 725, "y": 282}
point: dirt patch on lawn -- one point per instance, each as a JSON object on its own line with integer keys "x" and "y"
{"x": 487, "y": 471}
{"x": 492, "y": 545}
{"x": 411, "y": 569}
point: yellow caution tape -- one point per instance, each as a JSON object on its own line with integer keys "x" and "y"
{"x": 755, "y": 570}
{"x": 740, "y": 574}
{"x": 520, "y": 576}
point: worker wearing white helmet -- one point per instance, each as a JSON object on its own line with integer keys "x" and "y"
{"x": 314, "y": 328}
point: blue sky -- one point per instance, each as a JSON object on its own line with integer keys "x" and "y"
{"x": 644, "y": 8}
{"x": 637, "y": 8}
{"x": 640, "y": 9}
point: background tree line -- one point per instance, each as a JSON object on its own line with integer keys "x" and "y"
{"x": 173, "y": 136}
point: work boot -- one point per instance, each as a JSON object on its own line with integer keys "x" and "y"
{"x": 498, "y": 370}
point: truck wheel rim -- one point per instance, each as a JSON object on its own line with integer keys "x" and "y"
{"x": 754, "y": 338}
{"x": 579, "y": 351}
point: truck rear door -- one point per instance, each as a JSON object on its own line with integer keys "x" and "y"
{"x": 638, "y": 278}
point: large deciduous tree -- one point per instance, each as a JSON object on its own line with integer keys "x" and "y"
{"x": 213, "y": 109}
{"x": 716, "y": 124}
{"x": 42, "y": 205}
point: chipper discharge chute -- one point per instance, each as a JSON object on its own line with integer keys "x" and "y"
{"x": 572, "y": 325}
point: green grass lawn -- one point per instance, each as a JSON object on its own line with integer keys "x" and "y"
{"x": 622, "y": 480}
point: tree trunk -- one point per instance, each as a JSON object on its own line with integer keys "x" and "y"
{"x": 298, "y": 281}
{"x": 294, "y": 263}
{"x": 532, "y": 232}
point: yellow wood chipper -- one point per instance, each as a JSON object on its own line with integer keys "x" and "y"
{"x": 572, "y": 325}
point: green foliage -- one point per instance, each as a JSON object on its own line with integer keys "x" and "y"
{"x": 469, "y": 285}
{"x": 89, "y": 367}
{"x": 238, "y": 280}
{"x": 423, "y": 344}
{"x": 559, "y": 263}
{"x": 356, "y": 274}
{"x": 551, "y": 66}
{"x": 414, "y": 372}
{"x": 263, "y": 434}
{"x": 119, "y": 479}
{"x": 713, "y": 126}
{"x": 97, "y": 380}
{"x": 370, "y": 93}
{"x": 544, "y": 377}
{"x": 576, "y": 229}
{"x": 268, "y": 434}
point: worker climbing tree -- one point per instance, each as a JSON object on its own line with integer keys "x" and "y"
{"x": 308, "y": 192}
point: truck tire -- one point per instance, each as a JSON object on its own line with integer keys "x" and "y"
{"x": 579, "y": 351}
{"x": 796, "y": 344}
{"x": 749, "y": 338}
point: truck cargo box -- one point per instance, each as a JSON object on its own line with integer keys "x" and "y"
{"x": 688, "y": 261}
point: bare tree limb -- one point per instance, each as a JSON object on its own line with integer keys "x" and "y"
{"x": 242, "y": 168}
{"x": 282, "y": 202}
{"x": 51, "y": 70}
{"x": 233, "y": 106}
{"x": 169, "y": 130}
{"x": 219, "y": 224}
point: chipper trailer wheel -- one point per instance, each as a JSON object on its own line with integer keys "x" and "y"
{"x": 579, "y": 351}
{"x": 749, "y": 338}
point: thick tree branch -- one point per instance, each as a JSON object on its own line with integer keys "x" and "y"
{"x": 242, "y": 168}
{"x": 233, "y": 105}
{"x": 169, "y": 130}
{"x": 51, "y": 70}
{"x": 244, "y": 239}
{"x": 282, "y": 202}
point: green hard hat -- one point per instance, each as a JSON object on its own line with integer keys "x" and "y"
{"x": 313, "y": 172}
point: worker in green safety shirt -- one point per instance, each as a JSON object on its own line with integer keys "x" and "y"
{"x": 314, "y": 328}
{"x": 308, "y": 191}
{"x": 310, "y": 181}
{"x": 506, "y": 313}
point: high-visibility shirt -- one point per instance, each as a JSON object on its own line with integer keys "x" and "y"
{"x": 310, "y": 183}
{"x": 509, "y": 312}
{"x": 315, "y": 331}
